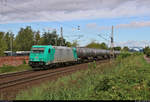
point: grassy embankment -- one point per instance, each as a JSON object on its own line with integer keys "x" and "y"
{"x": 8, "y": 68}
{"x": 124, "y": 79}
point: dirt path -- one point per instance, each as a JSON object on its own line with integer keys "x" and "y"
{"x": 147, "y": 59}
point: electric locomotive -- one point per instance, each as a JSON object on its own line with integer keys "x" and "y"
{"x": 47, "y": 55}
{"x": 44, "y": 56}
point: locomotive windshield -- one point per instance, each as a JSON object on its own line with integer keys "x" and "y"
{"x": 37, "y": 50}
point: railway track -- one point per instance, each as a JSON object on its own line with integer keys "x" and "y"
{"x": 2, "y": 76}
{"x": 26, "y": 79}
{"x": 11, "y": 86}
{"x": 15, "y": 74}
{"x": 32, "y": 78}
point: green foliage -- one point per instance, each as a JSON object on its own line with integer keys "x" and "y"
{"x": 68, "y": 44}
{"x": 103, "y": 85}
{"x": 118, "y": 48}
{"x": 37, "y": 38}
{"x": 7, "y": 68}
{"x": 125, "y": 48}
{"x": 75, "y": 44}
{"x": 128, "y": 80}
{"x": 24, "y": 61}
{"x": 49, "y": 38}
{"x": 9, "y": 39}
{"x": 24, "y": 39}
{"x": 3, "y": 45}
{"x": 92, "y": 65}
{"x": 147, "y": 51}
{"x": 137, "y": 53}
{"x": 123, "y": 55}
{"x": 97, "y": 45}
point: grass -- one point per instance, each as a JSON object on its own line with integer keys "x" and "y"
{"x": 7, "y": 68}
{"x": 123, "y": 79}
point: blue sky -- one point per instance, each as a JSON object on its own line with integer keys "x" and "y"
{"x": 131, "y": 19}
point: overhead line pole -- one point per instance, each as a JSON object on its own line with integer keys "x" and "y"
{"x": 61, "y": 32}
{"x": 56, "y": 39}
{"x": 112, "y": 42}
{"x": 11, "y": 43}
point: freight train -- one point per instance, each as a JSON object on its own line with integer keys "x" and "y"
{"x": 45, "y": 56}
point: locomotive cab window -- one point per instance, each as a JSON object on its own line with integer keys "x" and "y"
{"x": 38, "y": 50}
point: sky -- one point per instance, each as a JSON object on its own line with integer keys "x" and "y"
{"x": 130, "y": 18}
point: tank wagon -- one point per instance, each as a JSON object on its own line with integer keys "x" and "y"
{"x": 44, "y": 56}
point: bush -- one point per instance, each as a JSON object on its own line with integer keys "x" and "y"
{"x": 24, "y": 61}
{"x": 147, "y": 51}
{"x": 8, "y": 68}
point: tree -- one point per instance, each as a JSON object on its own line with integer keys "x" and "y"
{"x": 3, "y": 45}
{"x": 118, "y": 48}
{"x": 97, "y": 45}
{"x": 25, "y": 39}
{"x": 125, "y": 48}
{"x": 146, "y": 51}
{"x": 68, "y": 44}
{"x": 49, "y": 38}
{"x": 37, "y": 38}
{"x": 9, "y": 39}
{"x": 93, "y": 45}
{"x": 103, "y": 46}
{"x": 75, "y": 44}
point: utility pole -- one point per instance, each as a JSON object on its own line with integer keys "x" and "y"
{"x": 56, "y": 38}
{"x": 112, "y": 42}
{"x": 61, "y": 32}
{"x": 11, "y": 41}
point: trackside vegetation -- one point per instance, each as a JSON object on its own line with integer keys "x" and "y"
{"x": 8, "y": 68}
{"x": 126, "y": 78}
{"x": 147, "y": 51}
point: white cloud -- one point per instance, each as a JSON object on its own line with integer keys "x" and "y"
{"x": 91, "y": 25}
{"x": 134, "y": 24}
{"x": 61, "y": 10}
{"x": 137, "y": 24}
{"x": 133, "y": 43}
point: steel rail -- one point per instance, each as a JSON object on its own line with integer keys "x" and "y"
{"x": 14, "y": 73}
{"x": 32, "y": 78}
{"x": 36, "y": 77}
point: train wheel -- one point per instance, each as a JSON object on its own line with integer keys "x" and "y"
{"x": 46, "y": 67}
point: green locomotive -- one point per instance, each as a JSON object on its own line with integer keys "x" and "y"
{"x": 45, "y": 56}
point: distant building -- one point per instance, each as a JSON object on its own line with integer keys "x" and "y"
{"x": 136, "y": 49}
{"x": 17, "y": 53}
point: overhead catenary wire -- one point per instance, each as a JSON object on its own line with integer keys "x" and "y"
{"x": 103, "y": 37}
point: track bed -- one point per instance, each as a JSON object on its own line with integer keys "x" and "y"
{"x": 14, "y": 84}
